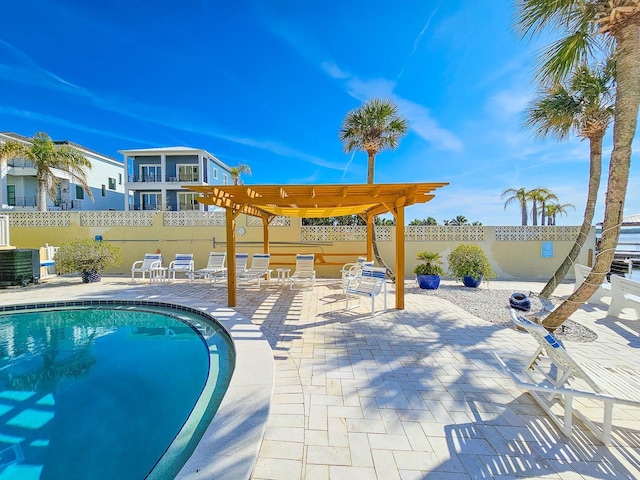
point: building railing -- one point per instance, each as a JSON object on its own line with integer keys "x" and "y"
{"x": 29, "y": 201}
{"x": 182, "y": 178}
{"x": 20, "y": 163}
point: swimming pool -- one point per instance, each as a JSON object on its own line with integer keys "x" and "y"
{"x": 97, "y": 389}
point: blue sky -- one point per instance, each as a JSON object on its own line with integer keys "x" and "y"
{"x": 268, "y": 83}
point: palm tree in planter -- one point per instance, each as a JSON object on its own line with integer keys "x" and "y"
{"x": 87, "y": 257}
{"x": 470, "y": 264}
{"x": 429, "y": 272}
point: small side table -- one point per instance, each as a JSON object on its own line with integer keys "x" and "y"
{"x": 283, "y": 275}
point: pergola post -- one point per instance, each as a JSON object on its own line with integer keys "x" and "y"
{"x": 399, "y": 214}
{"x": 370, "y": 237}
{"x": 230, "y": 222}
{"x": 265, "y": 234}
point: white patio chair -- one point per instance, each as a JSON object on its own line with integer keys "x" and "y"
{"x": 215, "y": 267}
{"x": 259, "y": 269}
{"x": 555, "y": 381}
{"x": 353, "y": 269}
{"x": 371, "y": 282}
{"x": 182, "y": 263}
{"x": 152, "y": 265}
{"x": 304, "y": 275}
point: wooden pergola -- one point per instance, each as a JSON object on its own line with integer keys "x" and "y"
{"x": 316, "y": 201}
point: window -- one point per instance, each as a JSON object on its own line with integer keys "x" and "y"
{"x": 119, "y": 179}
{"x": 215, "y": 173}
{"x": 104, "y": 190}
{"x": 187, "y": 173}
{"x": 11, "y": 195}
{"x": 225, "y": 179}
{"x": 112, "y": 183}
{"x": 150, "y": 173}
{"x": 79, "y": 192}
{"x": 151, "y": 201}
{"x": 188, "y": 201}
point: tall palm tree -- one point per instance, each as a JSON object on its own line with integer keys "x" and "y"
{"x": 582, "y": 105}
{"x": 521, "y": 196}
{"x": 585, "y": 25}
{"x": 47, "y": 157}
{"x": 555, "y": 209}
{"x": 545, "y": 198}
{"x": 235, "y": 172}
{"x": 539, "y": 195}
{"x": 373, "y": 127}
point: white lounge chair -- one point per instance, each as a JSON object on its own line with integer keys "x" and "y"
{"x": 555, "y": 380}
{"x": 259, "y": 269}
{"x": 215, "y": 267}
{"x": 182, "y": 263}
{"x": 624, "y": 293}
{"x": 305, "y": 274}
{"x": 371, "y": 282}
{"x": 152, "y": 265}
{"x": 582, "y": 272}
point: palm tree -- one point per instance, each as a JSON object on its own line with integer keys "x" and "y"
{"x": 555, "y": 209}
{"x": 521, "y": 196}
{"x": 583, "y": 105}
{"x": 541, "y": 195}
{"x": 373, "y": 127}
{"x": 235, "y": 173}
{"x": 544, "y": 199}
{"x": 47, "y": 157}
{"x": 584, "y": 26}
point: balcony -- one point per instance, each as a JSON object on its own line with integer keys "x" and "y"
{"x": 184, "y": 178}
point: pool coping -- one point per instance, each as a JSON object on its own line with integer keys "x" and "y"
{"x": 229, "y": 446}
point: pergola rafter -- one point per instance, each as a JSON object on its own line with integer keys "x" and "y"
{"x": 317, "y": 201}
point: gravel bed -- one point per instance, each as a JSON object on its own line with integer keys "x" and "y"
{"x": 493, "y": 306}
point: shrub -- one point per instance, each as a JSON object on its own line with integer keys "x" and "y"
{"x": 470, "y": 260}
{"x": 86, "y": 255}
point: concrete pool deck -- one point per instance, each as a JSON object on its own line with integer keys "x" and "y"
{"x": 410, "y": 394}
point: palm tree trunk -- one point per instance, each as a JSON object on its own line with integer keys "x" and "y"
{"x": 542, "y": 214}
{"x": 374, "y": 242}
{"x": 595, "y": 173}
{"x": 525, "y": 214}
{"x": 624, "y": 127}
{"x": 534, "y": 213}
{"x": 42, "y": 196}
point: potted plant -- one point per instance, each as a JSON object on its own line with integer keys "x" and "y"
{"x": 87, "y": 257}
{"x": 428, "y": 273}
{"x": 470, "y": 264}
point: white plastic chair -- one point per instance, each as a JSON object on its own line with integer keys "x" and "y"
{"x": 371, "y": 282}
{"x": 215, "y": 267}
{"x": 353, "y": 269}
{"x": 259, "y": 269}
{"x": 152, "y": 265}
{"x": 182, "y": 263}
{"x": 304, "y": 275}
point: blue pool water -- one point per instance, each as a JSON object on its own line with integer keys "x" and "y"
{"x": 101, "y": 393}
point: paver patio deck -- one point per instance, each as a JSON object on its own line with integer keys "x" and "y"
{"x": 411, "y": 394}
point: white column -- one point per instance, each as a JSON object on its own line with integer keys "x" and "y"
{"x": 163, "y": 167}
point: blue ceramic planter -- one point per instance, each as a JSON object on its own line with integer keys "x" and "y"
{"x": 469, "y": 281}
{"x": 428, "y": 282}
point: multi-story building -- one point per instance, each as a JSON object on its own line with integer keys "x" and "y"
{"x": 19, "y": 186}
{"x": 155, "y": 177}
